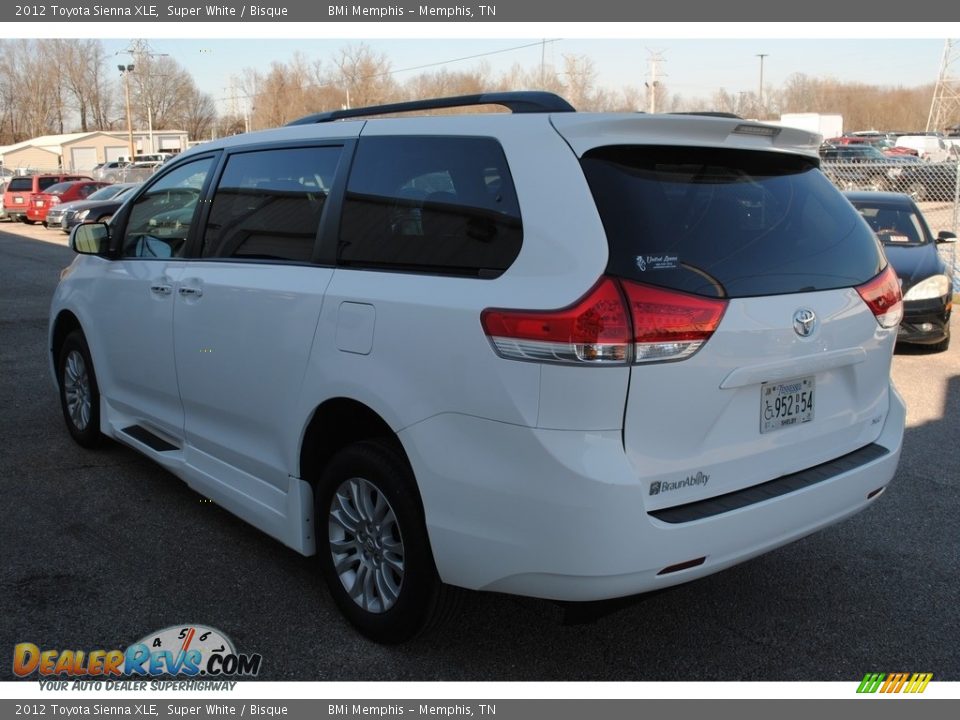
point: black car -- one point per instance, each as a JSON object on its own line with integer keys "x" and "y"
{"x": 929, "y": 181}
{"x": 926, "y": 280}
{"x": 99, "y": 207}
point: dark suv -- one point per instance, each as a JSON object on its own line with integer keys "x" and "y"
{"x": 20, "y": 191}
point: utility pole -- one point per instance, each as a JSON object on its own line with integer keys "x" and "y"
{"x": 656, "y": 57}
{"x": 141, "y": 53}
{"x": 945, "y": 106}
{"x": 760, "y": 95}
{"x": 543, "y": 57}
{"x": 125, "y": 71}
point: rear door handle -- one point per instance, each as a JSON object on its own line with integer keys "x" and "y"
{"x": 190, "y": 291}
{"x": 161, "y": 289}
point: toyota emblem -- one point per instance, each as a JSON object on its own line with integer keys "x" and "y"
{"x": 804, "y": 321}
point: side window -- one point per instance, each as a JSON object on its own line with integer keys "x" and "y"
{"x": 268, "y": 204}
{"x": 160, "y": 219}
{"x": 442, "y": 205}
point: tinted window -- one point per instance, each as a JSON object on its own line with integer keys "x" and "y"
{"x": 160, "y": 218}
{"x": 20, "y": 184}
{"x": 431, "y": 204}
{"x": 46, "y": 182}
{"x": 268, "y": 204}
{"x": 727, "y": 223}
{"x": 110, "y": 191}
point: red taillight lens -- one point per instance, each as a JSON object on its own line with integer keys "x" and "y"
{"x": 616, "y": 322}
{"x": 595, "y": 329}
{"x": 882, "y": 295}
{"x": 670, "y": 325}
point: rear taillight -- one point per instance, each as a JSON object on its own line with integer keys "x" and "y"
{"x": 617, "y": 322}
{"x": 595, "y": 329}
{"x": 670, "y": 325}
{"x": 882, "y": 295}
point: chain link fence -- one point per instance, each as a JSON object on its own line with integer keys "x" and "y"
{"x": 934, "y": 186}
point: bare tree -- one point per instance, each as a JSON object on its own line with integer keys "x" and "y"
{"x": 197, "y": 115}
{"x": 32, "y": 112}
{"x": 81, "y": 64}
{"x": 364, "y": 75}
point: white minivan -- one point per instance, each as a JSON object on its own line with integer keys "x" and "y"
{"x": 565, "y": 355}
{"x": 928, "y": 147}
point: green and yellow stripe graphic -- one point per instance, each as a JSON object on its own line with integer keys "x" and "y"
{"x": 894, "y": 682}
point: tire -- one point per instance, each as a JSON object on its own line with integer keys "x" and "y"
{"x": 373, "y": 547}
{"x": 79, "y": 392}
{"x": 29, "y": 222}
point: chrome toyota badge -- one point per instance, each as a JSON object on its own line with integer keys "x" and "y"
{"x": 804, "y": 321}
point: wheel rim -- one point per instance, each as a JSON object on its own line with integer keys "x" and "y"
{"x": 76, "y": 390}
{"x": 366, "y": 545}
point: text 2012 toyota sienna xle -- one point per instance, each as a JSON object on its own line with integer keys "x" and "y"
{"x": 564, "y": 355}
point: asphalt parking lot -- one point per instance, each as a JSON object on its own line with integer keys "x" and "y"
{"x": 100, "y": 548}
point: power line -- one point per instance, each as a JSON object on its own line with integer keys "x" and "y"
{"x": 540, "y": 43}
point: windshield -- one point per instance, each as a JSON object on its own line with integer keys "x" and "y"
{"x": 105, "y": 193}
{"x": 894, "y": 224}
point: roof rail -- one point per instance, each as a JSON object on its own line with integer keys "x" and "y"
{"x": 516, "y": 102}
{"x": 711, "y": 113}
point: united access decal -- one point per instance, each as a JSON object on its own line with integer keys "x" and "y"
{"x": 183, "y": 651}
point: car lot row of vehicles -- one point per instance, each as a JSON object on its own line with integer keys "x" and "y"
{"x": 931, "y": 147}
{"x": 864, "y": 167}
{"x": 61, "y": 201}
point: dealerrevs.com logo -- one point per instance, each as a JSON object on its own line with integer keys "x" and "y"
{"x": 184, "y": 651}
{"x": 888, "y": 683}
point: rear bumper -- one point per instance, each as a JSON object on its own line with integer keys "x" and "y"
{"x": 561, "y": 514}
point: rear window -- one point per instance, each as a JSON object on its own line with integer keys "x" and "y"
{"x": 727, "y": 223}
{"x": 20, "y": 184}
{"x": 59, "y": 188}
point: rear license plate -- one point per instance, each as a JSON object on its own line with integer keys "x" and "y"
{"x": 39, "y": 203}
{"x": 787, "y": 403}
{"x": 18, "y": 200}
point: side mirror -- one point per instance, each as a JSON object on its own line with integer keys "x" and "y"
{"x": 90, "y": 239}
{"x": 945, "y": 236}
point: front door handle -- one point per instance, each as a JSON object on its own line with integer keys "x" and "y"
{"x": 190, "y": 291}
{"x": 161, "y": 289}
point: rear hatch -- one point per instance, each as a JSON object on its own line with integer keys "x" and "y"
{"x": 17, "y": 194}
{"x": 773, "y": 291}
